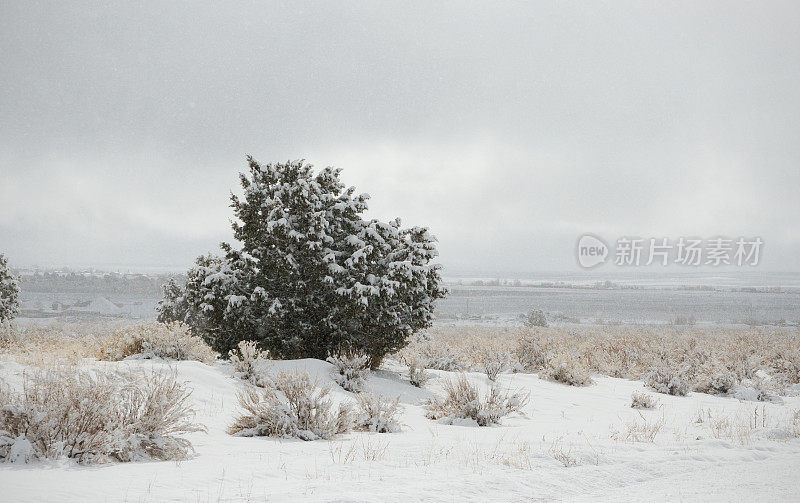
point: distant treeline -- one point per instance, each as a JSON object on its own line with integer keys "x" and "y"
{"x": 82, "y": 282}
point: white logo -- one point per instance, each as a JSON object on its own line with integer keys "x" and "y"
{"x": 592, "y": 251}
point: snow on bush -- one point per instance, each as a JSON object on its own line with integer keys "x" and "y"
{"x": 463, "y": 402}
{"x": 535, "y": 318}
{"x": 9, "y": 292}
{"x": 494, "y": 364}
{"x": 533, "y": 352}
{"x": 713, "y": 378}
{"x": 377, "y": 413}
{"x": 758, "y": 389}
{"x": 350, "y": 370}
{"x": 95, "y": 417}
{"x": 668, "y": 381}
{"x": 566, "y": 368}
{"x": 246, "y": 359}
{"x": 170, "y": 341}
{"x": 295, "y": 406}
{"x": 643, "y": 401}
{"x": 312, "y": 274}
{"x": 449, "y": 362}
{"x": 417, "y": 375}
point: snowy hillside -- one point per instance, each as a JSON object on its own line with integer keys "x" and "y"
{"x": 569, "y": 445}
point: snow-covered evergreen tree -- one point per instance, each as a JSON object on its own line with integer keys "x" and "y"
{"x": 313, "y": 276}
{"x": 9, "y": 292}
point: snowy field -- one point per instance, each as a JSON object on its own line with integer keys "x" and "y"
{"x": 569, "y": 444}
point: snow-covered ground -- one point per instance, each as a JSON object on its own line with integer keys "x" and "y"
{"x": 521, "y": 460}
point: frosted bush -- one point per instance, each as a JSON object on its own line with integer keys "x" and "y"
{"x": 295, "y": 406}
{"x": 755, "y": 390}
{"x": 449, "y": 362}
{"x": 350, "y": 371}
{"x": 495, "y": 363}
{"x": 417, "y": 375}
{"x": 714, "y": 379}
{"x": 246, "y": 359}
{"x": 532, "y": 352}
{"x": 172, "y": 341}
{"x": 463, "y": 401}
{"x": 668, "y": 381}
{"x": 95, "y": 417}
{"x": 567, "y": 369}
{"x": 643, "y": 401}
{"x": 377, "y": 414}
{"x": 535, "y": 318}
{"x": 493, "y": 368}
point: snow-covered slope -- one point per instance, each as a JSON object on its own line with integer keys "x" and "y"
{"x": 522, "y": 460}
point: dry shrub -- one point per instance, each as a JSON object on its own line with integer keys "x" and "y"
{"x": 173, "y": 341}
{"x": 643, "y": 401}
{"x": 713, "y": 378}
{"x": 294, "y": 406}
{"x": 667, "y": 380}
{"x": 710, "y": 359}
{"x": 95, "y": 417}
{"x": 566, "y": 368}
{"x": 377, "y": 414}
{"x": 533, "y": 352}
{"x": 463, "y": 401}
{"x": 417, "y": 375}
{"x": 494, "y": 365}
{"x": 246, "y": 359}
{"x": 639, "y": 430}
{"x": 51, "y": 344}
{"x": 350, "y": 370}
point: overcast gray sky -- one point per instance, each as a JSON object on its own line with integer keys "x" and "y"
{"x": 509, "y": 129}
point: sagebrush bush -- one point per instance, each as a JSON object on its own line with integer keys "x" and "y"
{"x": 246, "y": 359}
{"x": 449, "y": 362}
{"x": 377, "y": 413}
{"x": 533, "y": 352}
{"x": 172, "y": 341}
{"x": 462, "y": 400}
{"x": 643, "y": 401}
{"x": 566, "y": 368}
{"x": 709, "y": 358}
{"x": 95, "y": 417}
{"x": 713, "y": 378}
{"x": 493, "y": 366}
{"x": 667, "y": 380}
{"x": 350, "y": 370}
{"x": 295, "y": 406}
{"x": 417, "y": 374}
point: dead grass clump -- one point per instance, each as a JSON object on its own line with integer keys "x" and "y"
{"x": 295, "y": 406}
{"x": 566, "y": 368}
{"x": 95, "y": 417}
{"x": 172, "y": 341}
{"x": 50, "y": 344}
{"x": 463, "y": 401}
{"x": 639, "y": 430}
{"x": 643, "y": 401}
